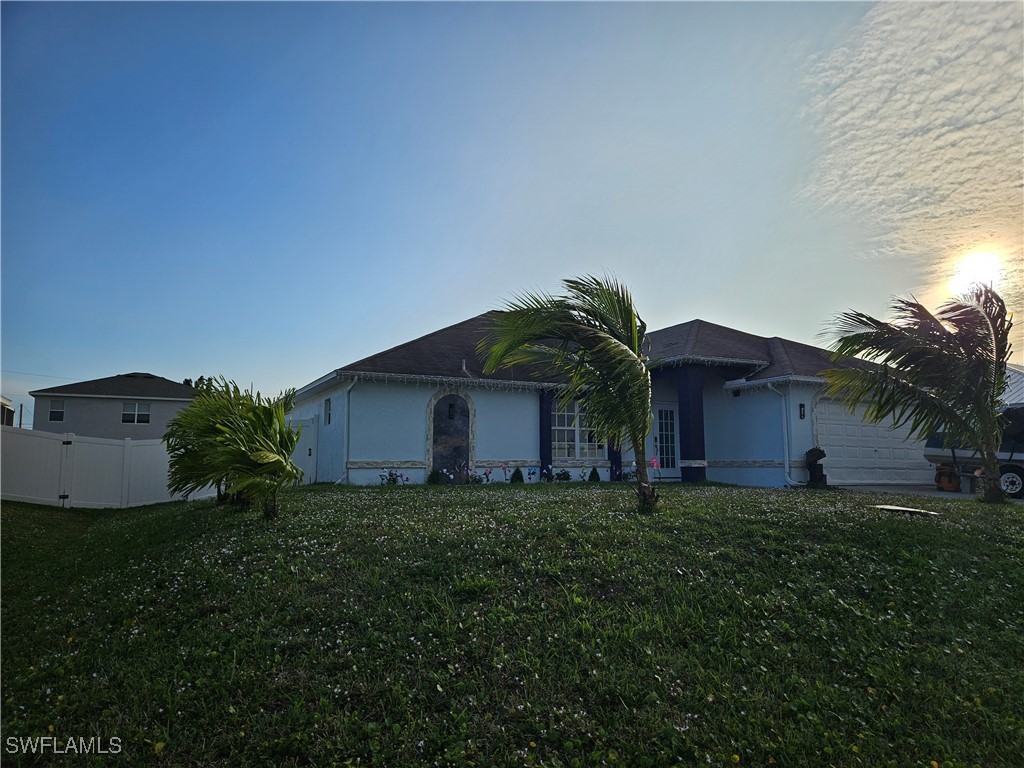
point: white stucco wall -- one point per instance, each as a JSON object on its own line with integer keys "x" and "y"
{"x": 390, "y": 428}
{"x": 507, "y": 428}
{"x": 389, "y": 422}
{"x": 328, "y": 448}
{"x": 744, "y": 435}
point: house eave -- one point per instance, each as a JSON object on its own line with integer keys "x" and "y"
{"x": 672, "y": 362}
{"x": 70, "y": 395}
{"x": 459, "y": 382}
{"x": 743, "y": 384}
{"x": 324, "y": 382}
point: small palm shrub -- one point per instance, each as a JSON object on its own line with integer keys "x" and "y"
{"x": 233, "y": 439}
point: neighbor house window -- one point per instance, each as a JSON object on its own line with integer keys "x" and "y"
{"x": 56, "y": 410}
{"x": 135, "y": 413}
{"x": 327, "y": 411}
{"x": 570, "y": 437}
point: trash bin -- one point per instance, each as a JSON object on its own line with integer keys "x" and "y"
{"x": 947, "y": 479}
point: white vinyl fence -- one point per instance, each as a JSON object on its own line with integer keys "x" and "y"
{"x": 73, "y": 471}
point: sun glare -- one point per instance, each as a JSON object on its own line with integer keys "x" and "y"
{"x": 976, "y": 267}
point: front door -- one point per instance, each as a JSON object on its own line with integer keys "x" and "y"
{"x": 666, "y": 443}
{"x": 451, "y": 437}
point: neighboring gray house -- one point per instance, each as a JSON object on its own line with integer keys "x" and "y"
{"x": 134, "y": 405}
{"x": 727, "y": 405}
{"x": 6, "y": 411}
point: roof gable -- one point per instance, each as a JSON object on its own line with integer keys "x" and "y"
{"x": 699, "y": 339}
{"x": 136, "y": 385}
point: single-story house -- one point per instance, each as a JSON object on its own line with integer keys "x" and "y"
{"x": 728, "y": 406}
{"x": 131, "y": 405}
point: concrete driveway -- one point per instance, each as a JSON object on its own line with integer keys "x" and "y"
{"x": 914, "y": 490}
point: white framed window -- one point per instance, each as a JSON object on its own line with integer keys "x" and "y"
{"x": 327, "y": 410}
{"x": 570, "y": 437}
{"x": 135, "y": 413}
{"x": 667, "y": 438}
{"x": 56, "y": 410}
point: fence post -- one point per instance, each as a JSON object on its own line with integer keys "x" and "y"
{"x": 126, "y": 473}
{"x": 67, "y": 469}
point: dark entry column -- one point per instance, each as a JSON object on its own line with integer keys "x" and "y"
{"x": 547, "y": 399}
{"x": 690, "y": 392}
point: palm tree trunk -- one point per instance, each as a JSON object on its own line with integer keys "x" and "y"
{"x": 271, "y": 506}
{"x": 647, "y": 494}
{"x": 993, "y": 491}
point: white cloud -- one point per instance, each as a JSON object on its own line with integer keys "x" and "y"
{"x": 921, "y": 116}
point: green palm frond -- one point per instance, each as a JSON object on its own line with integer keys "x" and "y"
{"x": 932, "y": 372}
{"x": 591, "y": 337}
{"x": 233, "y": 438}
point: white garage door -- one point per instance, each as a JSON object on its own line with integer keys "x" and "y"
{"x": 860, "y": 453}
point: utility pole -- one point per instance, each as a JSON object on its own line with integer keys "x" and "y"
{"x": 21, "y": 413}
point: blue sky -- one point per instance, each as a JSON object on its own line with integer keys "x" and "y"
{"x": 271, "y": 190}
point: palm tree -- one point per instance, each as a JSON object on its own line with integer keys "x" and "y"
{"x": 235, "y": 440}
{"x": 191, "y": 438}
{"x": 594, "y": 337}
{"x": 942, "y": 372}
{"x": 254, "y": 448}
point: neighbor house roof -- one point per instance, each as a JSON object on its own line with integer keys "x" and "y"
{"x": 135, "y": 385}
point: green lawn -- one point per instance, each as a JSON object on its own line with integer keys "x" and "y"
{"x": 519, "y": 625}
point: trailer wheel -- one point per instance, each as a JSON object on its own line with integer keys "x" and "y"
{"x": 1011, "y": 480}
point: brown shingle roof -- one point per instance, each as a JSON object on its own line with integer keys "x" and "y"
{"x": 700, "y": 341}
{"x": 791, "y": 358}
{"x": 137, "y": 385}
{"x": 449, "y": 352}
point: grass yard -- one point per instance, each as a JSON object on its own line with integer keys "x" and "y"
{"x": 518, "y": 625}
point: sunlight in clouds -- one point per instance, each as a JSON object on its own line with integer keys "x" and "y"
{"x": 919, "y": 114}
{"x": 984, "y": 267}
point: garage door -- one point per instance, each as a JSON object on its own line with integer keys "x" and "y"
{"x": 860, "y": 453}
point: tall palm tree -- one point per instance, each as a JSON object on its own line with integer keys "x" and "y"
{"x": 594, "y": 336}
{"x": 942, "y": 372}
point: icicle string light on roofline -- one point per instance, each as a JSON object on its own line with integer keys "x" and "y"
{"x": 446, "y": 381}
{"x": 666, "y": 362}
{"x": 743, "y": 384}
